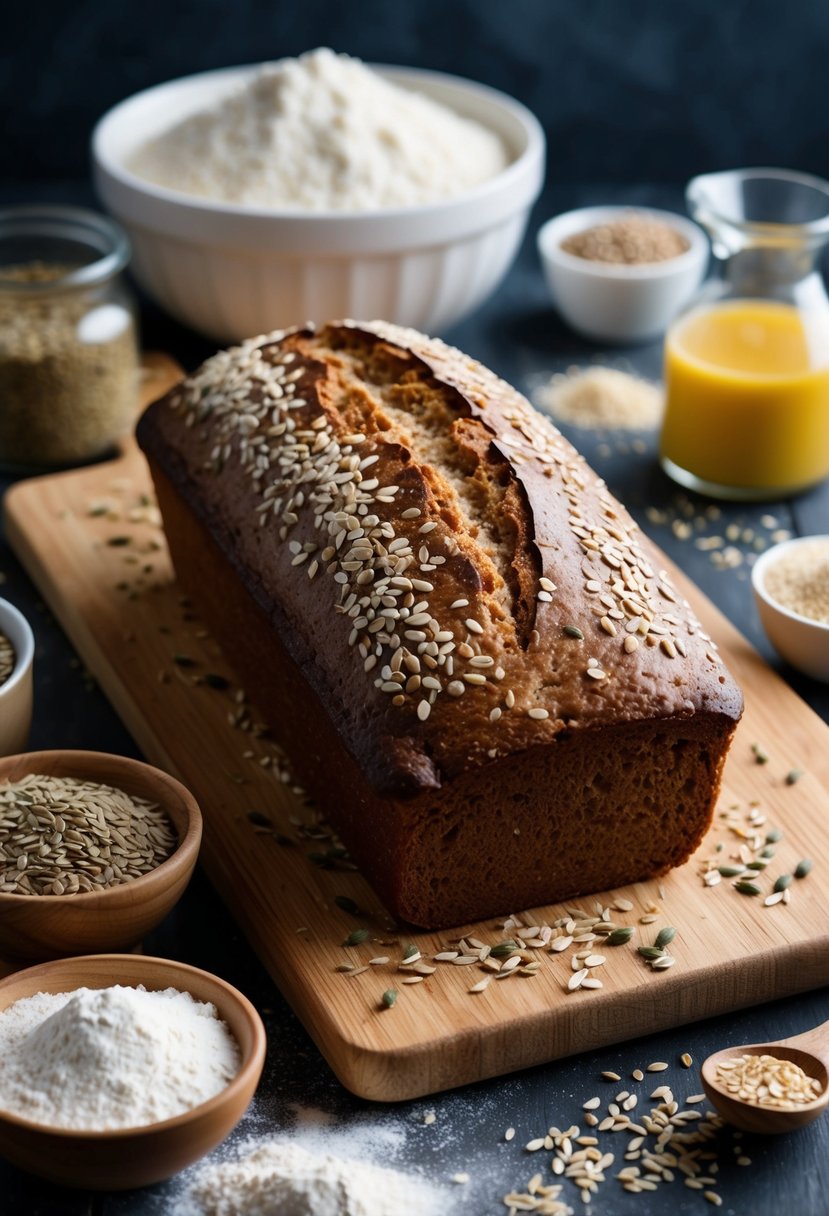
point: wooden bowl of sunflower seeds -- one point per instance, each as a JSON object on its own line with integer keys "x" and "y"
{"x": 95, "y": 850}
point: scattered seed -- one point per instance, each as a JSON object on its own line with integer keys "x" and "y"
{"x": 783, "y": 881}
{"x": 657, "y": 1066}
{"x": 793, "y": 776}
{"x": 356, "y": 936}
{"x": 747, "y": 888}
{"x": 619, "y": 937}
{"x": 803, "y": 867}
{"x": 347, "y": 904}
{"x": 664, "y": 937}
{"x": 389, "y": 997}
{"x": 760, "y": 754}
{"x": 686, "y": 1059}
{"x": 573, "y": 631}
{"x": 611, "y": 1076}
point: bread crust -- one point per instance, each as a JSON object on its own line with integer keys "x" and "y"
{"x": 413, "y": 552}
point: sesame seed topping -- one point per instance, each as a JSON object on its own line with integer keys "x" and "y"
{"x": 329, "y": 493}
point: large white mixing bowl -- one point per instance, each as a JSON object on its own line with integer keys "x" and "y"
{"x": 231, "y": 271}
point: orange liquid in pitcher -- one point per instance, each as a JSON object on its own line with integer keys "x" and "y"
{"x": 747, "y": 397}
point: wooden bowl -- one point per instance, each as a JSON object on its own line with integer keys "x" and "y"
{"x": 36, "y": 927}
{"x": 131, "y": 1157}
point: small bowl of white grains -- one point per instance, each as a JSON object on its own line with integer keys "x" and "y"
{"x": 95, "y": 850}
{"x": 619, "y": 274}
{"x": 791, "y": 590}
{"x": 120, "y": 1070}
{"x": 259, "y": 197}
{"x": 17, "y": 650}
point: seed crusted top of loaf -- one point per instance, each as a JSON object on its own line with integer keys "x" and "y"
{"x": 456, "y": 582}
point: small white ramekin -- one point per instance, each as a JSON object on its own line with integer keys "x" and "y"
{"x": 799, "y": 640}
{"x": 16, "y": 691}
{"x": 607, "y": 302}
{"x": 232, "y": 272}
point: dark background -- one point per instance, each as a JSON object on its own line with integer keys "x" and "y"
{"x": 635, "y": 96}
{"x": 627, "y": 90}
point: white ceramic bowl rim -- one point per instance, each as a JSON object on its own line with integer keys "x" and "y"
{"x": 19, "y": 632}
{"x": 770, "y": 558}
{"x": 568, "y": 223}
{"x": 235, "y": 1083}
{"x": 522, "y": 177}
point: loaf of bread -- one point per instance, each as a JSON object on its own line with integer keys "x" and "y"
{"x": 466, "y": 645}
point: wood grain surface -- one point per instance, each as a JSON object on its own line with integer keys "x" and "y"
{"x": 97, "y": 554}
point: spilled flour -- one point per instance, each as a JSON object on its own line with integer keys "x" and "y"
{"x": 280, "y": 1176}
{"x": 107, "y": 1058}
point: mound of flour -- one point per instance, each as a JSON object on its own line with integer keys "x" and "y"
{"x": 115, "y": 1057}
{"x": 322, "y": 132}
{"x": 281, "y": 1176}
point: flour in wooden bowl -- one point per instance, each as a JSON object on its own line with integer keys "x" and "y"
{"x": 107, "y": 1058}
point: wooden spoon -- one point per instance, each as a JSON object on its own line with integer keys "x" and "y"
{"x": 809, "y": 1050}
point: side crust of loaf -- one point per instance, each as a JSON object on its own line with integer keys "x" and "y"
{"x": 475, "y": 806}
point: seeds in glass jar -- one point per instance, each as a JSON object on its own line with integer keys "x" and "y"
{"x": 68, "y": 367}
{"x": 62, "y": 836}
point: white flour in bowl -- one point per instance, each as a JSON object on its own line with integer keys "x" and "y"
{"x": 322, "y": 133}
{"x": 279, "y": 1176}
{"x": 106, "y": 1058}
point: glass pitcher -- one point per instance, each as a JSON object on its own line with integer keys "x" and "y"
{"x": 747, "y": 364}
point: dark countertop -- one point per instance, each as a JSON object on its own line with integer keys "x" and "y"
{"x": 519, "y": 336}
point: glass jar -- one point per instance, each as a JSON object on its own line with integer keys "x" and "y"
{"x": 68, "y": 339}
{"x": 747, "y": 364}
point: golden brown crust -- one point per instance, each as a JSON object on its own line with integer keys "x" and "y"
{"x": 497, "y": 542}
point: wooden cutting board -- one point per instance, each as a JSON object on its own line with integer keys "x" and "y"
{"x": 95, "y": 550}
